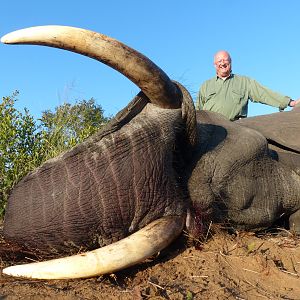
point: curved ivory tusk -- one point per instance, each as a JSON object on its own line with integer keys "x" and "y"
{"x": 120, "y": 255}
{"x": 154, "y": 82}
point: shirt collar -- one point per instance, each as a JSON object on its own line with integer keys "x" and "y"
{"x": 230, "y": 76}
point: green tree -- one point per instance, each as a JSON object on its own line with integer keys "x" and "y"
{"x": 70, "y": 124}
{"x": 25, "y": 143}
{"x": 19, "y": 146}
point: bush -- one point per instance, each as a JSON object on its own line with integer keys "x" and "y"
{"x": 69, "y": 125}
{"x": 19, "y": 146}
{"x": 25, "y": 143}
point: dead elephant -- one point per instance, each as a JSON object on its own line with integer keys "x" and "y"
{"x": 155, "y": 167}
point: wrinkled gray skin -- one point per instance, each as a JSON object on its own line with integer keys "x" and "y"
{"x": 115, "y": 183}
{"x": 140, "y": 168}
{"x": 248, "y": 177}
{"x": 122, "y": 178}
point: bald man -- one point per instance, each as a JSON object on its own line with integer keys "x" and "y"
{"x": 228, "y": 94}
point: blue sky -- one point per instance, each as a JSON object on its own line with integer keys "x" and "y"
{"x": 179, "y": 36}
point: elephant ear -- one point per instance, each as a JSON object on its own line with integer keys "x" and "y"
{"x": 280, "y": 129}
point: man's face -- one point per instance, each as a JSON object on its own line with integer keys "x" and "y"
{"x": 222, "y": 63}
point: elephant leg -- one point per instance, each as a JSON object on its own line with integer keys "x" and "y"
{"x": 252, "y": 217}
{"x": 294, "y": 221}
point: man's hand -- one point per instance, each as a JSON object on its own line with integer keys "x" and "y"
{"x": 293, "y": 103}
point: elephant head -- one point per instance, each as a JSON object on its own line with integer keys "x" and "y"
{"x": 119, "y": 195}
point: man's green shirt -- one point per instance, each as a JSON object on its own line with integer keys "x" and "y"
{"x": 230, "y": 97}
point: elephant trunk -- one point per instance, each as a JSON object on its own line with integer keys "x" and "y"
{"x": 154, "y": 82}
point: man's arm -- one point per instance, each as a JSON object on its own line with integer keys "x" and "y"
{"x": 262, "y": 94}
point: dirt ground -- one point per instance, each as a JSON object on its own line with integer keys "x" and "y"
{"x": 237, "y": 265}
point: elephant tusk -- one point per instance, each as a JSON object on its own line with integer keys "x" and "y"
{"x": 120, "y": 255}
{"x": 153, "y": 81}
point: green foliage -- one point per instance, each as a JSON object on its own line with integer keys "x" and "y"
{"x": 69, "y": 125}
{"x": 189, "y": 295}
{"x": 25, "y": 143}
{"x": 19, "y": 146}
